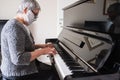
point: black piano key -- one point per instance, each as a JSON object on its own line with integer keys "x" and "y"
{"x": 57, "y": 47}
{"x": 68, "y": 60}
{"x": 61, "y": 52}
{"x": 64, "y": 56}
{"x": 72, "y": 64}
{"x": 76, "y": 67}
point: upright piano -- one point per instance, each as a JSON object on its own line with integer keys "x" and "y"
{"x": 87, "y": 52}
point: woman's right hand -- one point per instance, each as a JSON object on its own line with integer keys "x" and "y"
{"x": 48, "y": 50}
{"x": 42, "y": 51}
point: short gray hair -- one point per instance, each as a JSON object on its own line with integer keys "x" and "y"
{"x": 29, "y": 4}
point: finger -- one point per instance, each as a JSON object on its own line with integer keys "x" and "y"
{"x": 52, "y": 53}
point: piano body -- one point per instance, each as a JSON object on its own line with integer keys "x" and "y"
{"x": 86, "y": 51}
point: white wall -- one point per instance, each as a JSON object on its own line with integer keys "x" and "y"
{"x": 8, "y": 8}
{"x": 46, "y": 24}
{"x": 60, "y": 5}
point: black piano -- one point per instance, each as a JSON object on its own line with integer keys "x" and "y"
{"x": 86, "y": 52}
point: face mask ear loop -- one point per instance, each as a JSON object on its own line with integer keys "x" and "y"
{"x": 30, "y": 16}
{"x": 35, "y": 17}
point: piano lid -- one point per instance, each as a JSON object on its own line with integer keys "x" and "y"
{"x": 100, "y": 26}
{"x": 97, "y": 26}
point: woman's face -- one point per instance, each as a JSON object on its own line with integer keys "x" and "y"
{"x": 30, "y": 16}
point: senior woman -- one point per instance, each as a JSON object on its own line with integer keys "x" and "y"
{"x": 17, "y": 45}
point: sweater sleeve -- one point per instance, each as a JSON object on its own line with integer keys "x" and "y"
{"x": 16, "y": 44}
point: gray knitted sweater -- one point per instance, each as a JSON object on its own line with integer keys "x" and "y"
{"x": 15, "y": 50}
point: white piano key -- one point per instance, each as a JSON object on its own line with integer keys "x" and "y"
{"x": 45, "y": 59}
{"x": 62, "y": 68}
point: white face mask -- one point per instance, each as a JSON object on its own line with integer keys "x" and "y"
{"x": 29, "y": 17}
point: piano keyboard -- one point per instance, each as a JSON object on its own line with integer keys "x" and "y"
{"x": 65, "y": 65}
{"x": 61, "y": 67}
